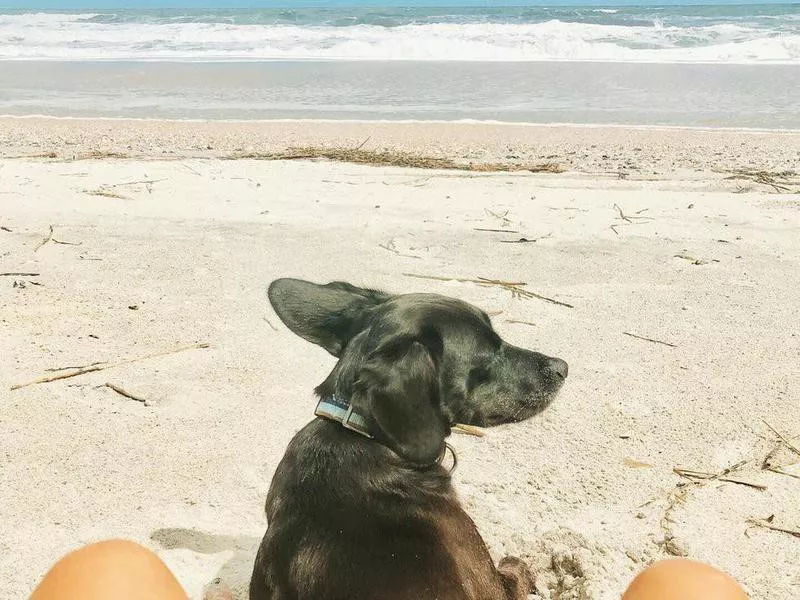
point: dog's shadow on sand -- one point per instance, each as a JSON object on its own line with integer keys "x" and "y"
{"x": 233, "y": 578}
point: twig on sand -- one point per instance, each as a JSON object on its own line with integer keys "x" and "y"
{"x": 518, "y": 292}
{"x": 647, "y": 339}
{"x": 362, "y": 144}
{"x": 767, "y": 524}
{"x": 469, "y": 430}
{"x": 628, "y": 219}
{"x": 728, "y": 470}
{"x": 19, "y": 274}
{"x": 4, "y": 228}
{"x": 123, "y": 392}
{"x": 139, "y": 182}
{"x": 103, "y": 366}
{"x": 622, "y": 215}
{"x": 531, "y": 323}
{"x": 527, "y": 240}
{"x": 783, "y": 438}
{"x": 780, "y": 471}
{"x": 631, "y": 218}
{"x": 56, "y": 369}
{"x": 494, "y": 230}
{"x": 692, "y": 259}
{"x": 191, "y": 169}
{"x": 50, "y": 238}
{"x": 47, "y": 238}
{"x": 693, "y": 474}
{"x": 49, "y": 378}
{"x": 515, "y": 287}
{"x": 106, "y": 192}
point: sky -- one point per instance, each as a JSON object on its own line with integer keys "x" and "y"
{"x": 71, "y": 4}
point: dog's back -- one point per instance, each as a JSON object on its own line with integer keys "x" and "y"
{"x": 348, "y": 521}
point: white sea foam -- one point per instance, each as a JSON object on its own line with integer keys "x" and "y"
{"x": 48, "y": 36}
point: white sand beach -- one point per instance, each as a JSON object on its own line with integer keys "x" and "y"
{"x": 676, "y": 250}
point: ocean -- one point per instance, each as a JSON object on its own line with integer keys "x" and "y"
{"x": 705, "y": 66}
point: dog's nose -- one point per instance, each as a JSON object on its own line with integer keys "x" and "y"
{"x": 558, "y": 367}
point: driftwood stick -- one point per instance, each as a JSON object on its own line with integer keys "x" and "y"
{"x": 102, "y": 367}
{"x": 647, "y": 339}
{"x": 469, "y": 430}
{"x": 123, "y": 392}
{"x": 19, "y": 274}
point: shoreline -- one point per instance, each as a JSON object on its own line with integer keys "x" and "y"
{"x": 626, "y": 152}
{"x": 731, "y": 96}
{"x": 466, "y": 121}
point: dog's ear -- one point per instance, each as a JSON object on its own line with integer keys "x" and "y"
{"x": 327, "y": 315}
{"x": 398, "y": 388}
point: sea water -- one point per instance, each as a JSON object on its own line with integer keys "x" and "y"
{"x": 717, "y": 66}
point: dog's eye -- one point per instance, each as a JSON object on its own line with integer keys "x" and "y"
{"x": 477, "y": 376}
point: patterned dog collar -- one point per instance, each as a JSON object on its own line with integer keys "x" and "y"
{"x": 341, "y": 411}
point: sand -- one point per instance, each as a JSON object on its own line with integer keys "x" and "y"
{"x": 671, "y": 250}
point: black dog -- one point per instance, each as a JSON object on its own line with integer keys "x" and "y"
{"x": 360, "y": 507}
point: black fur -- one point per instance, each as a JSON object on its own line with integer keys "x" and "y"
{"x": 352, "y": 518}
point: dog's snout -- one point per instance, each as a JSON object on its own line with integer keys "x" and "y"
{"x": 557, "y": 367}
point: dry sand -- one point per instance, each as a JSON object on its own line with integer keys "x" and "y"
{"x": 586, "y": 491}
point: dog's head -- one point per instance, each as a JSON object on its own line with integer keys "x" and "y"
{"x": 413, "y": 365}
